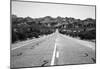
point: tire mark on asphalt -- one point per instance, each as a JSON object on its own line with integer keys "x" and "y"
{"x": 85, "y": 55}
{"x": 18, "y": 54}
{"x": 44, "y": 63}
{"x": 93, "y": 59}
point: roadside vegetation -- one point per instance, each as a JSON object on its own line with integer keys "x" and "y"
{"x": 83, "y": 29}
{"x": 24, "y": 28}
{"x": 28, "y": 28}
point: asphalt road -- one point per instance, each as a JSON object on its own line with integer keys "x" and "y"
{"x": 54, "y": 49}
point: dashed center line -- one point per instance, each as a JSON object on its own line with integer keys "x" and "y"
{"x": 55, "y": 53}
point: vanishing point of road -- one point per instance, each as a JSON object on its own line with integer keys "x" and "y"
{"x": 54, "y": 49}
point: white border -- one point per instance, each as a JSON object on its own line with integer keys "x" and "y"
{"x": 5, "y": 34}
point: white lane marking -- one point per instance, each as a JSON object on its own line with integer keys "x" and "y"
{"x": 54, "y": 55}
{"x": 57, "y": 54}
{"x": 26, "y": 44}
{"x": 21, "y": 45}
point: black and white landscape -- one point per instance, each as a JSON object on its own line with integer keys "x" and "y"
{"x": 50, "y": 34}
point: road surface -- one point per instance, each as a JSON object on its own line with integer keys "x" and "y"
{"x": 54, "y": 49}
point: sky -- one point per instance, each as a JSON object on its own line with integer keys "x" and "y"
{"x": 37, "y": 10}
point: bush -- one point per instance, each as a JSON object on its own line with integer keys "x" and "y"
{"x": 88, "y": 35}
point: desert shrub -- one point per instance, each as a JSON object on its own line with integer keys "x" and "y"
{"x": 88, "y": 35}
